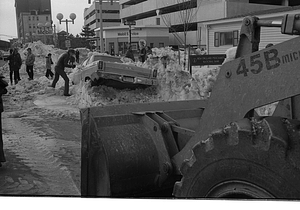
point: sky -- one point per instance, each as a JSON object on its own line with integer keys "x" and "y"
{"x": 8, "y": 24}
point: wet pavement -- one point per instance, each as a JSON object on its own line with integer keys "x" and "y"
{"x": 43, "y": 156}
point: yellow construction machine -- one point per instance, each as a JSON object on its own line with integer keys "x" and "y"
{"x": 216, "y": 148}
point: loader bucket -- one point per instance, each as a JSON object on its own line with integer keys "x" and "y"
{"x": 124, "y": 151}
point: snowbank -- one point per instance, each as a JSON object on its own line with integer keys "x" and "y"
{"x": 175, "y": 82}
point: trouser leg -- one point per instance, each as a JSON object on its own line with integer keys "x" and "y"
{"x": 31, "y": 72}
{"x": 51, "y": 73}
{"x": 56, "y": 77}
{"x": 2, "y": 157}
{"x": 66, "y": 78}
{"x": 16, "y": 76}
{"x": 11, "y": 76}
{"x": 27, "y": 70}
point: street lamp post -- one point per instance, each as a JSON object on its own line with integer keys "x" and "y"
{"x": 60, "y": 17}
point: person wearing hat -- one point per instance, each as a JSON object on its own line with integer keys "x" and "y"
{"x": 65, "y": 60}
{"x": 49, "y": 61}
{"x": 29, "y": 63}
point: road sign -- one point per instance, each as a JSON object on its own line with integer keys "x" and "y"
{"x": 132, "y": 22}
{"x": 68, "y": 43}
{"x": 201, "y": 60}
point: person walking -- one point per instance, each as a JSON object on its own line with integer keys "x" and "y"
{"x": 65, "y": 60}
{"x": 29, "y": 63}
{"x": 148, "y": 52}
{"x": 143, "y": 52}
{"x": 49, "y": 61}
{"x": 15, "y": 63}
{"x": 9, "y": 58}
{"x": 3, "y": 90}
{"x": 77, "y": 56}
{"x": 129, "y": 53}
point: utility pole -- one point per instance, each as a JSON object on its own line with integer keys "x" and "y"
{"x": 101, "y": 27}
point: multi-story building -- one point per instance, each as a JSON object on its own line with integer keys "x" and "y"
{"x": 169, "y": 13}
{"x": 110, "y": 16}
{"x": 34, "y": 20}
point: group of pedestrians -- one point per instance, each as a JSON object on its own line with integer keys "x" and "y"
{"x": 144, "y": 52}
{"x": 15, "y": 63}
{"x": 65, "y": 60}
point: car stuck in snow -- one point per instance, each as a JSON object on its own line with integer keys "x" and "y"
{"x": 109, "y": 70}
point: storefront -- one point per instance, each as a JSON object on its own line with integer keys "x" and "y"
{"x": 117, "y": 38}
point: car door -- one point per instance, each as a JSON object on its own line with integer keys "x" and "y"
{"x": 89, "y": 68}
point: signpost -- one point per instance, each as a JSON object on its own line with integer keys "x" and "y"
{"x": 130, "y": 23}
{"x": 204, "y": 60}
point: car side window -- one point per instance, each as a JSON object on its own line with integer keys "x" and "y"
{"x": 90, "y": 60}
{"x": 85, "y": 62}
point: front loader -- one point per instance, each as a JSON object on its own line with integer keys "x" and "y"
{"x": 209, "y": 148}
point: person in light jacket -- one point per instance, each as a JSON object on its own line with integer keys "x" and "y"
{"x": 29, "y": 63}
{"x": 49, "y": 61}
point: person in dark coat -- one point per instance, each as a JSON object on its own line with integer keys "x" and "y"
{"x": 77, "y": 56}
{"x": 15, "y": 63}
{"x": 65, "y": 60}
{"x": 143, "y": 52}
{"x": 148, "y": 52}
{"x": 129, "y": 53}
{"x": 3, "y": 90}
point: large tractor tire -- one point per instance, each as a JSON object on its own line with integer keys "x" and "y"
{"x": 258, "y": 158}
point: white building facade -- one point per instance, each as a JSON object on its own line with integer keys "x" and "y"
{"x": 155, "y": 12}
{"x": 35, "y": 26}
{"x": 110, "y": 16}
{"x": 216, "y": 30}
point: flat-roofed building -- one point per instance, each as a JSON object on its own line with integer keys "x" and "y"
{"x": 29, "y": 15}
{"x": 110, "y": 15}
{"x": 169, "y": 13}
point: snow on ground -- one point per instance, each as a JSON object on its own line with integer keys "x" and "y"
{"x": 175, "y": 83}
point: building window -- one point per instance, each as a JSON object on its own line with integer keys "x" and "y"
{"x": 111, "y": 11}
{"x": 29, "y": 26}
{"x": 112, "y": 20}
{"x": 158, "y": 21}
{"x": 37, "y": 17}
{"x": 226, "y": 38}
{"x": 47, "y": 18}
{"x": 33, "y": 18}
{"x": 151, "y": 45}
{"x": 33, "y": 26}
{"x": 161, "y": 45}
{"x": 29, "y": 18}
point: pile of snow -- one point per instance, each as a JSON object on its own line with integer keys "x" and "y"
{"x": 174, "y": 80}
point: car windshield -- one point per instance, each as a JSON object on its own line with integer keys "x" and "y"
{"x": 107, "y": 58}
